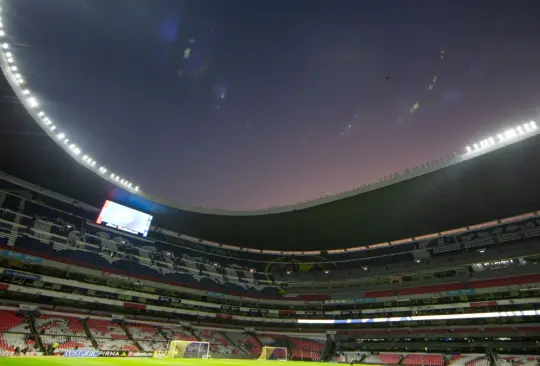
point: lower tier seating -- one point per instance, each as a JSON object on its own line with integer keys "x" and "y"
{"x": 67, "y": 342}
{"x": 59, "y": 325}
{"x": 116, "y": 345}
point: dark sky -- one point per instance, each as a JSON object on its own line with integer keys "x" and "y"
{"x": 249, "y": 104}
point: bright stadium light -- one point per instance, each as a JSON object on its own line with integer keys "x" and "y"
{"x": 516, "y": 133}
{"x": 32, "y": 102}
{"x": 16, "y": 80}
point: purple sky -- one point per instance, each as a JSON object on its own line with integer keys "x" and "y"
{"x": 248, "y": 104}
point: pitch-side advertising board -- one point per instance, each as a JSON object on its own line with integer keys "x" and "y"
{"x": 87, "y": 353}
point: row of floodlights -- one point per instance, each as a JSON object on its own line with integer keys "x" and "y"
{"x": 507, "y": 135}
{"x": 32, "y": 103}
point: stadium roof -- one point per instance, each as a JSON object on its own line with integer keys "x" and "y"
{"x": 499, "y": 184}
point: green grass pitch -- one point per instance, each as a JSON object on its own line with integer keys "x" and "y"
{"x": 64, "y": 361}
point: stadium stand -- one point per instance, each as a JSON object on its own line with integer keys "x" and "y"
{"x": 218, "y": 342}
{"x": 60, "y": 325}
{"x": 105, "y": 329}
{"x": 51, "y": 247}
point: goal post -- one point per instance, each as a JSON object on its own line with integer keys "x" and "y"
{"x": 188, "y": 349}
{"x": 274, "y": 353}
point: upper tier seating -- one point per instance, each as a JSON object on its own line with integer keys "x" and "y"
{"x": 60, "y": 325}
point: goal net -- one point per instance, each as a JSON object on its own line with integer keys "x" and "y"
{"x": 274, "y": 353}
{"x": 188, "y": 349}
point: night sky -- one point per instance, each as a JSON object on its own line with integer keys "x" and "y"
{"x": 249, "y": 104}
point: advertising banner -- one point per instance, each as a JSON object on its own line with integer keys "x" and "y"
{"x": 20, "y": 256}
{"x": 26, "y": 276}
{"x": 125, "y": 354}
{"x": 81, "y": 353}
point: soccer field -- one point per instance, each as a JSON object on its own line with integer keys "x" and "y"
{"x": 62, "y": 361}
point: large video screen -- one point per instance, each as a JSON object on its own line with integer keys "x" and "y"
{"x": 124, "y": 218}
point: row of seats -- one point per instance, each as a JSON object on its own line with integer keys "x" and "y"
{"x": 60, "y": 325}
{"x": 424, "y": 359}
{"x": 105, "y": 329}
{"x": 218, "y": 342}
{"x": 417, "y": 359}
{"x": 153, "y": 346}
{"x": 145, "y": 333}
{"x": 67, "y": 342}
{"x": 518, "y": 360}
{"x": 10, "y": 322}
{"x": 116, "y": 344}
{"x": 247, "y": 343}
{"x": 9, "y": 342}
{"x": 178, "y": 334}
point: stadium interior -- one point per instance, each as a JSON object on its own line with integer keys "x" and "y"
{"x": 466, "y": 296}
{"x": 438, "y": 265}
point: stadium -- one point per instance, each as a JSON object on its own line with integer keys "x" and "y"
{"x": 434, "y": 266}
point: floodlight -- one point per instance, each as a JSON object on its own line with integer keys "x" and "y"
{"x": 32, "y": 102}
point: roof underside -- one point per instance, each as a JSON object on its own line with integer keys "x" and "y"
{"x": 496, "y": 185}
